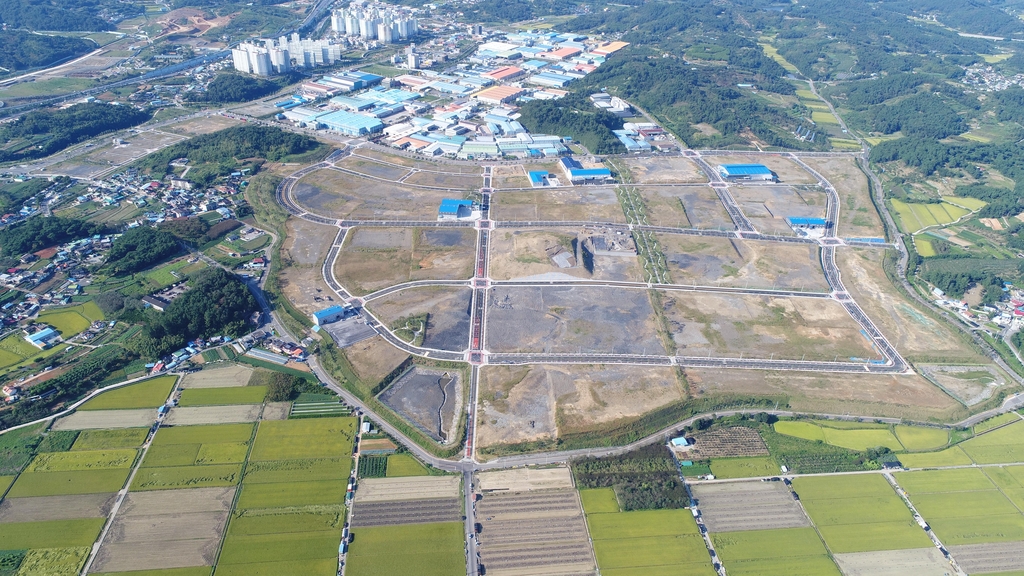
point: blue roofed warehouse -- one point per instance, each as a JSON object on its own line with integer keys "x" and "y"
{"x": 746, "y": 172}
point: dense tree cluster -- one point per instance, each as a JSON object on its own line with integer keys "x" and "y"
{"x": 217, "y": 302}
{"x": 139, "y": 248}
{"x": 231, "y": 87}
{"x": 955, "y": 284}
{"x": 58, "y": 129}
{"x": 574, "y": 116}
{"x": 66, "y": 15}
{"x": 1001, "y": 201}
{"x": 923, "y": 115}
{"x": 38, "y": 233}
{"x": 516, "y": 10}
{"x": 20, "y": 50}
{"x": 644, "y": 479}
{"x": 974, "y": 17}
{"x": 869, "y": 92}
{"x": 191, "y": 230}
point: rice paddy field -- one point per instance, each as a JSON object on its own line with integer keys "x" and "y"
{"x": 402, "y": 465}
{"x": 645, "y": 541}
{"x": 916, "y": 217}
{"x": 791, "y": 551}
{"x": 73, "y": 320}
{"x": 859, "y": 513}
{"x": 744, "y": 467}
{"x": 1000, "y": 445}
{"x": 151, "y": 393}
{"x": 864, "y": 435}
{"x": 223, "y": 396}
{"x": 434, "y": 549}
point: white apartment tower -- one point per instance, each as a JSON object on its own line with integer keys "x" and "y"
{"x": 377, "y": 22}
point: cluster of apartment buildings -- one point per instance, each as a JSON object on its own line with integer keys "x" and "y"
{"x": 280, "y": 56}
{"x": 375, "y": 21}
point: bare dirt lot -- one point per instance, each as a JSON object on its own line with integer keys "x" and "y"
{"x": 220, "y": 377}
{"x": 969, "y": 384}
{"x": 376, "y": 258}
{"x": 789, "y": 172}
{"x": 769, "y": 206}
{"x": 372, "y": 168}
{"x": 406, "y": 512}
{"x": 978, "y": 558}
{"x": 38, "y": 509}
{"x": 759, "y": 326}
{"x": 341, "y": 195}
{"x": 689, "y": 206}
{"x": 94, "y": 419}
{"x": 524, "y": 479}
{"x": 448, "y": 309}
{"x": 410, "y": 488}
{"x": 428, "y": 398}
{"x": 127, "y": 556}
{"x": 516, "y": 254}
{"x": 305, "y": 246}
{"x": 447, "y": 166}
{"x": 869, "y": 394}
{"x": 520, "y": 403}
{"x": 711, "y": 261}
{"x": 212, "y": 415}
{"x": 915, "y": 562}
{"x": 454, "y": 182}
{"x": 203, "y": 125}
{"x": 748, "y": 506}
{"x": 914, "y": 333}
{"x": 666, "y": 170}
{"x": 504, "y": 177}
{"x": 857, "y": 216}
{"x": 571, "y": 203}
{"x": 570, "y": 319}
{"x": 374, "y": 358}
{"x": 276, "y": 410}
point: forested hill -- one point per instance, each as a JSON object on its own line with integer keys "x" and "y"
{"x": 22, "y": 50}
{"x": 67, "y": 15}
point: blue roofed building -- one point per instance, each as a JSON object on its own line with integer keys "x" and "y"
{"x": 808, "y": 223}
{"x": 350, "y": 123}
{"x": 331, "y": 314}
{"x": 577, "y": 174}
{"x": 746, "y": 172}
{"x": 44, "y": 338}
{"x": 458, "y": 210}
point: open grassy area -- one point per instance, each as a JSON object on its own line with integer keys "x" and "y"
{"x": 744, "y": 467}
{"x": 146, "y": 394}
{"x": 859, "y": 513}
{"x": 422, "y": 549}
{"x": 404, "y": 465}
{"x": 222, "y": 396}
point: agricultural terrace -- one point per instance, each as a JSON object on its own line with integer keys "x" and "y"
{"x": 966, "y": 505}
{"x": 859, "y": 513}
{"x": 916, "y": 217}
{"x": 658, "y": 542}
{"x": 151, "y": 393}
{"x": 291, "y": 509}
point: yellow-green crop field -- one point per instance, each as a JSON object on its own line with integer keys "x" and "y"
{"x": 805, "y": 94}
{"x": 824, "y": 118}
{"x": 223, "y": 396}
{"x": 916, "y": 217}
{"x": 968, "y": 203}
{"x": 307, "y": 469}
{"x": 996, "y": 58}
{"x": 1004, "y": 445}
{"x": 424, "y": 549}
{"x": 773, "y": 53}
{"x": 150, "y": 393}
{"x": 401, "y": 465}
{"x": 949, "y": 457}
{"x": 599, "y": 500}
{"x": 921, "y": 438}
{"x": 285, "y": 494}
{"x": 51, "y": 534}
{"x": 924, "y": 247}
{"x": 1001, "y": 420}
{"x": 172, "y": 477}
{"x": 66, "y": 483}
{"x": 84, "y": 460}
{"x": 110, "y": 439}
{"x": 860, "y": 436}
{"x": 791, "y": 551}
{"x": 744, "y": 467}
{"x": 308, "y": 438}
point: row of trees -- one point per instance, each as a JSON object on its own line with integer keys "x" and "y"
{"x": 54, "y": 130}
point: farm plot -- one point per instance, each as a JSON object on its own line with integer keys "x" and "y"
{"x": 146, "y": 394}
{"x": 858, "y": 217}
{"x": 409, "y": 488}
{"x": 731, "y": 442}
{"x": 304, "y": 438}
{"x": 870, "y": 436}
{"x": 524, "y": 479}
{"x": 569, "y": 204}
{"x": 963, "y": 506}
{"x": 404, "y": 465}
{"x": 406, "y": 512}
{"x": 808, "y": 328}
{"x": 921, "y": 438}
{"x": 307, "y": 469}
{"x": 668, "y": 170}
{"x": 767, "y": 207}
{"x": 1005, "y": 444}
{"x": 337, "y": 194}
{"x": 221, "y": 377}
{"x": 787, "y": 170}
{"x": 288, "y": 494}
{"x": 859, "y": 513}
{"x": 447, "y": 311}
{"x": 525, "y": 403}
{"x": 686, "y": 207}
{"x": 918, "y": 561}
{"x": 68, "y": 483}
{"x": 567, "y": 319}
{"x": 51, "y": 534}
{"x": 110, "y": 439}
{"x": 916, "y": 217}
{"x": 988, "y": 558}
{"x": 223, "y": 396}
{"x": 424, "y": 549}
{"x": 791, "y": 551}
{"x": 949, "y": 457}
{"x": 166, "y": 529}
{"x": 181, "y": 416}
{"x": 430, "y": 399}
{"x": 171, "y": 477}
{"x": 55, "y": 507}
{"x": 280, "y": 553}
{"x": 744, "y": 467}
{"x": 653, "y": 541}
{"x": 62, "y": 561}
{"x": 199, "y": 445}
{"x": 711, "y": 261}
{"x": 533, "y": 532}
{"x": 376, "y": 258}
{"x": 996, "y": 422}
{"x": 742, "y": 506}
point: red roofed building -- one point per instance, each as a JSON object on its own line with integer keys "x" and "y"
{"x": 505, "y": 74}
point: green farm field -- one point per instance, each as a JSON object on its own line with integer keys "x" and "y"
{"x": 956, "y": 480}
{"x": 262, "y": 548}
{"x": 193, "y": 454}
{"x": 51, "y": 534}
{"x": 65, "y": 483}
{"x": 641, "y": 524}
{"x": 1010, "y": 480}
{"x": 851, "y": 435}
{"x": 196, "y": 571}
{"x": 208, "y": 434}
{"x": 186, "y": 477}
{"x": 273, "y": 522}
{"x": 308, "y": 469}
{"x": 283, "y": 494}
{"x": 67, "y": 322}
{"x": 84, "y": 460}
{"x": 744, "y": 467}
{"x": 320, "y": 567}
{"x": 1001, "y": 420}
{"x": 222, "y": 396}
{"x": 110, "y": 439}
{"x": 54, "y": 561}
{"x": 786, "y": 551}
{"x": 599, "y": 500}
{"x": 422, "y": 549}
{"x": 949, "y": 457}
{"x": 305, "y": 438}
{"x": 401, "y": 465}
{"x": 921, "y": 438}
{"x": 1004, "y": 445}
{"x": 146, "y": 394}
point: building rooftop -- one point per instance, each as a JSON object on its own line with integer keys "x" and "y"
{"x": 743, "y": 169}
{"x": 328, "y": 312}
{"x": 450, "y": 206}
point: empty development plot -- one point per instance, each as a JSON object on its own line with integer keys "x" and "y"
{"x": 525, "y": 403}
{"x": 571, "y": 318}
{"x": 572, "y": 203}
{"x": 858, "y": 217}
{"x": 667, "y": 170}
{"x": 710, "y": 261}
{"x": 303, "y": 251}
{"x": 373, "y": 168}
{"x": 767, "y": 207}
{"x": 518, "y": 254}
{"x": 429, "y": 398}
{"x": 970, "y": 384}
{"x": 787, "y": 170}
{"x": 340, "y": 194}
{"x": 686, "y": 207}
{"x": 447, "y": 310}
{"x": 233, "y": 375}
{"x": 376, "y": 258}
{"x": 728, "y": 325}
{"x": 748, "y": 506}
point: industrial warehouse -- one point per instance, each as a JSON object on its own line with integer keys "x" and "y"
{"x": 758, "y": 172}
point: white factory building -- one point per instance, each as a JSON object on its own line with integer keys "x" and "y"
{"x": 384, "y": 23}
